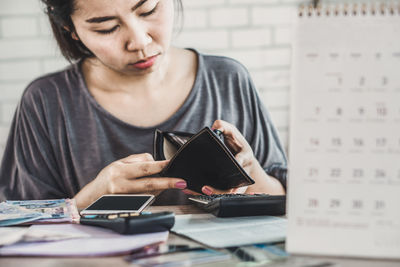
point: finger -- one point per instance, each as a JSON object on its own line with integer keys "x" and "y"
{"x": 140, "y": 169}
{"x": 233, "y": 144}
{"x": 228, "y": 129}
{"x": 208, "y": 190}
{"x": 151, "y": 184}
{"x": 218, "y": 125}
{"x": 138, "y": 157}
{"x": 244, "y": 158}
{"x": 236, "y": 141}
{"x": 239, "y": 190}
{"x": 190, "y": 192}
{"x": 232, "y": 137}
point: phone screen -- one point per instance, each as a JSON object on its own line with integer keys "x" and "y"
{"x": 120, "y": 203}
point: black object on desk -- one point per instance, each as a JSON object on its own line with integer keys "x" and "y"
{"x": 236, "y": 205}
{"x": 132, "y": 223}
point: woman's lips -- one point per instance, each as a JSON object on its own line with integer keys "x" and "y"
{"x": 146, "y": 63}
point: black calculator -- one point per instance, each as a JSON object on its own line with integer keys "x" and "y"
{"x": 235, "y": 205}
{"x": 132, "y": 223}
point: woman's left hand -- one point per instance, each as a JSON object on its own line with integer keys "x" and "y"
{"x": 238, "y": 145}
{"x": 242, "y": 151}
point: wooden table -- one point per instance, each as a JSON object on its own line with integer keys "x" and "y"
{"x": 175, "y": 239}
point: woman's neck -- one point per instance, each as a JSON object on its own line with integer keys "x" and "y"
{"x": 144, "y": 101}
{"x": 101, "y": 77}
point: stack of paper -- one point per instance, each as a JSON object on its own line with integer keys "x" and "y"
{"x": 38, "y": 211}
{"x": 93, "y": 241}
{"x": 49, "y": 239}
{"x": 227, "y": 232}
{"x": 12, "y": 235}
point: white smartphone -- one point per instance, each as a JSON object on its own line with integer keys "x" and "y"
{"x": 109, "y": 204}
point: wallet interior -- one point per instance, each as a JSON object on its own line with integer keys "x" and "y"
{"x": 170, "y": 143}
{"x": 169, "y": 149}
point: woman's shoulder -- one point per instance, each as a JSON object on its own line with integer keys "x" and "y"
{"x": 50, "y": 83}
{"x": 223, "y": 64}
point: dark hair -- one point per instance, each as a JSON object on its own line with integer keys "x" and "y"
{"x": 59, "y": 13}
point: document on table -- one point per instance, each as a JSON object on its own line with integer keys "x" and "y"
{"x": 227, "y": 232}
{"x": 12, "y": 235}
{"x": 100, "y": 242}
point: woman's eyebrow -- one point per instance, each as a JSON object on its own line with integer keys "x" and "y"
{"x": 106, "y": 18}
{"x": 100, "y": 19}
{"x": 141, "y": 2}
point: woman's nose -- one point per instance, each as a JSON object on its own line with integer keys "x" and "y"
{"x": 138, "y": 37}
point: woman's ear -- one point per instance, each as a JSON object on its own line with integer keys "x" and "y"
{"x": 73, "y": 34}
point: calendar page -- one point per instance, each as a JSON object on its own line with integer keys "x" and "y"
{"x": 344, "y": 179}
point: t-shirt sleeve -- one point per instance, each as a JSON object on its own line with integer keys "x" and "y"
{"x": 263, "y": 137}
{"x": 29, "y": 169}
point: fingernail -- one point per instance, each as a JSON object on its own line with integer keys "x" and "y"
{"x": 181, "y": 185}
{"x": 207, "y": 191}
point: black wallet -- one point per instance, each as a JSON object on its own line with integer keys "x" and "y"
{"x": 200, "y": 159}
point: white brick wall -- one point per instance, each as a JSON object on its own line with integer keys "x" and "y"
{"x": 19, "y": 27}
{"x": 255, "y": 32}
{"x": 229, "y": 18}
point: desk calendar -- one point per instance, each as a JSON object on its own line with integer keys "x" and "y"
{"x": 344, "y": 178}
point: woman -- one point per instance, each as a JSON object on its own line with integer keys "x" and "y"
{"x": 88, "y": 130}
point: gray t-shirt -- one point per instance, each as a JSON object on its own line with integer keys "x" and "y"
{"x": 61, "y": 137}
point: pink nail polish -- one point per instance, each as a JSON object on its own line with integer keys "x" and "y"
{"x": 181, "y": 185}
{"x": 207, "y": 191}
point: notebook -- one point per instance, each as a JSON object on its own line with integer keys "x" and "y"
{"x": 344, "y": 180}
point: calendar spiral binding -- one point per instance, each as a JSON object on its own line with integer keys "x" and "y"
{"x": 346, "y": 9}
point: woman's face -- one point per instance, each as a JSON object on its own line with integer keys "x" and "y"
{"x": 128, "y": 36}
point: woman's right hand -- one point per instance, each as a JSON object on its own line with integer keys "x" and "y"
{"x": 129, "y": 175}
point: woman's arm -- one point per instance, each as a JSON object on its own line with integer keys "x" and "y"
{"x": 263, "y": 182}
{"x": 29, "y": 167}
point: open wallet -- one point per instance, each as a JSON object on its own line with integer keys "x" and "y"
{"x": 200, "y": 159}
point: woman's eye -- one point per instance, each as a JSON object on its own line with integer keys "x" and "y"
{"x": 108, "y": 31}
{"x": 150, "y": 12}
